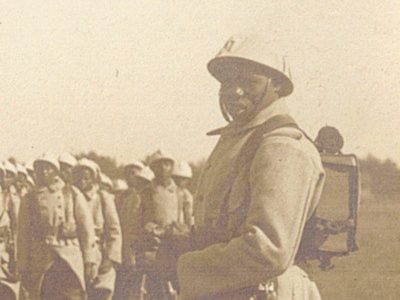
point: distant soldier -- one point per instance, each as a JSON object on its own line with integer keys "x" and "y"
{"x": 67, "y": 163}
{"x": 12, "y": 201}
{"x": 182, "y": 174}
{"x": 56, "y": 241}
{"x": 139, "y": 179}
{"x": 259, "y": 187}
{"x": 164, "y": 203}
{"x": 107, "y": 229}
{"x": 160, "y": 213}
{"x": 21, "y": 181}
{"x": 9, "y": 288}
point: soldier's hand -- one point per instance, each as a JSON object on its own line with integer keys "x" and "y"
{"x": 105, "y": 266}
{"x": 91, "y": 271}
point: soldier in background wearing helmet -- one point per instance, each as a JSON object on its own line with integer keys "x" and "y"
{"x": 164, "y": 202}
{"x": 21, "y": 181}
{"x": 12, "y": 201}
{"x": 67, "y": 163}
{"x": 56, "y": 241}
{"x": 260, "y": 185}
{"x": 182, "y": 174}
{"x": 107, "y": 228}
{"x": 138, "y": 177}
{"x": 9, "y": 288}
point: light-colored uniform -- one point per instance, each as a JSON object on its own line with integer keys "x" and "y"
{"x": 163, "y": 207}
{"x": 54, "y": 224}
{"x": 108, "y": 235}
{"x": 185, "y": 206}
{"x": 5, "y": 234}
{"x": 282, "y": 185}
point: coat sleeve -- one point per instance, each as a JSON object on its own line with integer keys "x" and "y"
{"x": 112, "y": 228}
{"x": 281, "y": 180}
{"x": 188, "y": 208}
{"x": 85, "y": 227}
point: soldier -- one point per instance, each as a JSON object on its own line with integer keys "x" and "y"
{"x": 260, "y": 185}
{"x": 182, "y": 174}
{"x": 56, "y": 241}
{"x": 107, "y": 229}
{"x": 21, "y": 181}
{"x": 160, "y": 215}
{"x": 164, "y": 210}
{"x": 139, "y": 180}
{"x": 9, "y": 288}
{"x": 67, "y": 164}
{"x": 12, "y": 201}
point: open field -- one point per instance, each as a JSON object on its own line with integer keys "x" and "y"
{"x": 374, "y": 271}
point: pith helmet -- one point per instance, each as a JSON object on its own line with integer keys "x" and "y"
{"x": 120, "y": 185}
{"x": 49, "y": 158}
{"x": 68, "y": 159}
{"x": 8, "y": 166}
{"x": 104, "y": 179}
{"x": 85, "y": 163}
{"x": 255, "y": 54}
{"x": 146, "y": 173}
{"x": 182, "y": 169}
{"x": 160, "y": 155}
{"x": 135, "y": 163}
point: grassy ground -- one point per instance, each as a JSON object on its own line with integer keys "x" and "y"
{"x": 374, "y": 271}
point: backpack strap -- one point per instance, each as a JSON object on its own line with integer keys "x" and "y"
{"x": 246, "y": 156}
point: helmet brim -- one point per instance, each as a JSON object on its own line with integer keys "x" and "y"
{"x": 45, "y": 161}
{"x": 221, "y": 67}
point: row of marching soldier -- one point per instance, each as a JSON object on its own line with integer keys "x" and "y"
{"x": 68, "y": 232}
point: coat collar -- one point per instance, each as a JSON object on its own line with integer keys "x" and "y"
{"x": 56, "y": 186}
{"x": 92, "y": 193}
{"x": 279, "y": 107}
{"x": 171, "y": 187}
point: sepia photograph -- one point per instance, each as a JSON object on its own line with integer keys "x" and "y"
{"x": 199, "y": 150}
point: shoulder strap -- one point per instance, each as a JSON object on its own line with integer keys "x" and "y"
{"x": 247, "y": 154}
{"x": 69, "y": 193}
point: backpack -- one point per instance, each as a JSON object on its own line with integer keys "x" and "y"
{"x": 331, "y": 231}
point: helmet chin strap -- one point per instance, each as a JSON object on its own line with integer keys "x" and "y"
{"x": 224, "y": 111}
{"x": 268, "y": 96}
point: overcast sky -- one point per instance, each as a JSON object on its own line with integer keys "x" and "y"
{"x": 127, "y": 77}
